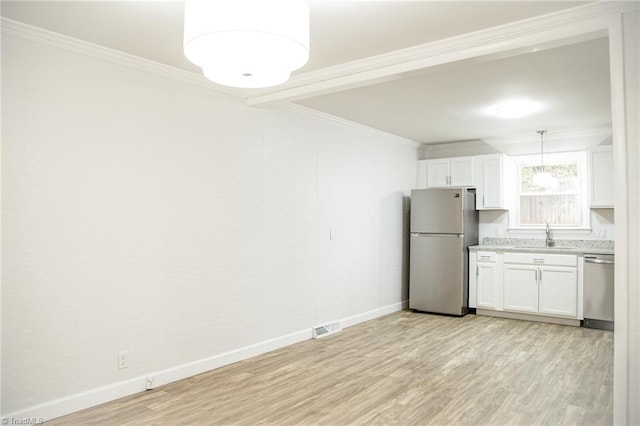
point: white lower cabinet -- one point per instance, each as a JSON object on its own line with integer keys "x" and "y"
{"x": 521, "y": 288}
{"x": 538, "y": 283}
{"x": 558, "y": 291}
{"x": 526, "y": 283}
{"x": 487, "y": 293}
{"x": 484, "y": 280}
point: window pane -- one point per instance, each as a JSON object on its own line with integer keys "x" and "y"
{"x": 556, "y": 209}
{"x": 565, "y": 174}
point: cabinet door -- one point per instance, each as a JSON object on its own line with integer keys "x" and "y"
{"x": 486, "y": 282}
{"x": 491, "y": 185}
{"x": 520, "y": 286}
{"x": 437, "y": 173}
{"x": 461, "y": 171}
{"x": 558, "y": 291}
{"x": 601, "y": 178}
{"x": 473, "y": 277}
{"x": 422, "y": 175}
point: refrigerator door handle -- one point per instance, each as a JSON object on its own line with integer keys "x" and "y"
{"x": 422, "y": 234}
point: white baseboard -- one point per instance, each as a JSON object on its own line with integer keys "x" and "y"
{"x": 369, "y": 315}
{"x": 80, "y": 401}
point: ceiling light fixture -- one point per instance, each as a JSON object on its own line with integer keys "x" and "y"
{"x": 247, "y": 43}
{"x": 514, "y": 108}
{"x": 541, "y": 178}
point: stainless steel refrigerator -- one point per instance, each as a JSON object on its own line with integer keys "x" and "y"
{"x": 444, "y": 223}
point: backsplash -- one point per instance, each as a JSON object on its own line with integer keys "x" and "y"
{"x": 537, "y": 242}
{"x": 495, "y": 223}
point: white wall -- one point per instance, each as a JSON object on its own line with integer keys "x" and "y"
{"x": 146, "y": 214}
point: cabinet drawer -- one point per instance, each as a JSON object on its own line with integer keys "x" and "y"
{"x": 542, "y": 259}
{"x": 486, "y": 256}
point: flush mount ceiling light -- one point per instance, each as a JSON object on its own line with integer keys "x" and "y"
{"x": 247, "y": 43}
{"x": 542, "y": 179}
{"x": 514, "y": 108}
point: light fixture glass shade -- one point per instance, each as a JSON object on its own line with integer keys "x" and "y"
{"x": 247, "y": 43}
{"x": 544, "y": 180}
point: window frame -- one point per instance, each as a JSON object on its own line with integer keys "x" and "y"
{"x": 578, "y": 157}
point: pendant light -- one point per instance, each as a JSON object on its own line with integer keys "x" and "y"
{"x": 542, "y": 179}
{"x": 247, "y": 43}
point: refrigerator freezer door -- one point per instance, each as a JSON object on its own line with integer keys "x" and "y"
{"x": 436, "y": 274}
{"x": 437, "y": 211}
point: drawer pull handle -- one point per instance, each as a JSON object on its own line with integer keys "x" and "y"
{"x": 538, "y": 260}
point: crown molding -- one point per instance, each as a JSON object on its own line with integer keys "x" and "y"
{"x": 562, "y": 24}
{"x": 540, "y": 29}
{"x": 81, "y": 47}
{"x": 85, "y": 48}
{"x": 554, "y": 135}
{"x": 566, "y": 140}
{"x": 289, "y": 106}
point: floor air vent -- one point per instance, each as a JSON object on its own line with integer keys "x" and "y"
{"x": 326, "y": 330}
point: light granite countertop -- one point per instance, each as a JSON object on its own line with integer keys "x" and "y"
{"x": 533, "y": 245}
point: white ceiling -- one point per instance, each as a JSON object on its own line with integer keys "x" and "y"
{"x": 437, "y": 104}
{"x": 448, "y": 102}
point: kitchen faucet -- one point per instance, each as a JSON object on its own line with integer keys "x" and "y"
{"x": 550, "y": 242}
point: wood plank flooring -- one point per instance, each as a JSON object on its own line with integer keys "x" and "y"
{"x": 402, "y": 369}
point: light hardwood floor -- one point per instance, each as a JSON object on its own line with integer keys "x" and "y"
{"x": 402, "y": 369}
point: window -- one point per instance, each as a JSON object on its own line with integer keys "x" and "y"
{"x": 561, "y": 203}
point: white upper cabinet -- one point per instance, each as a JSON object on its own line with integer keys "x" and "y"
{"x": 422, "y": 175}
{"x": 437, "y": 173}
{"x": 461, "y": 172}
{"x": 445, "y": 172}
{"x": 490, "y": 188}
{"x": 601, "y": 178}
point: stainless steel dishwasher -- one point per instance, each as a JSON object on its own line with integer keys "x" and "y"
{"x": 598, "y": 291}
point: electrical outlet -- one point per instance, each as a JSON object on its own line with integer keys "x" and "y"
{"x": 150, "y": 383}
{"x": 123, "y": 359}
